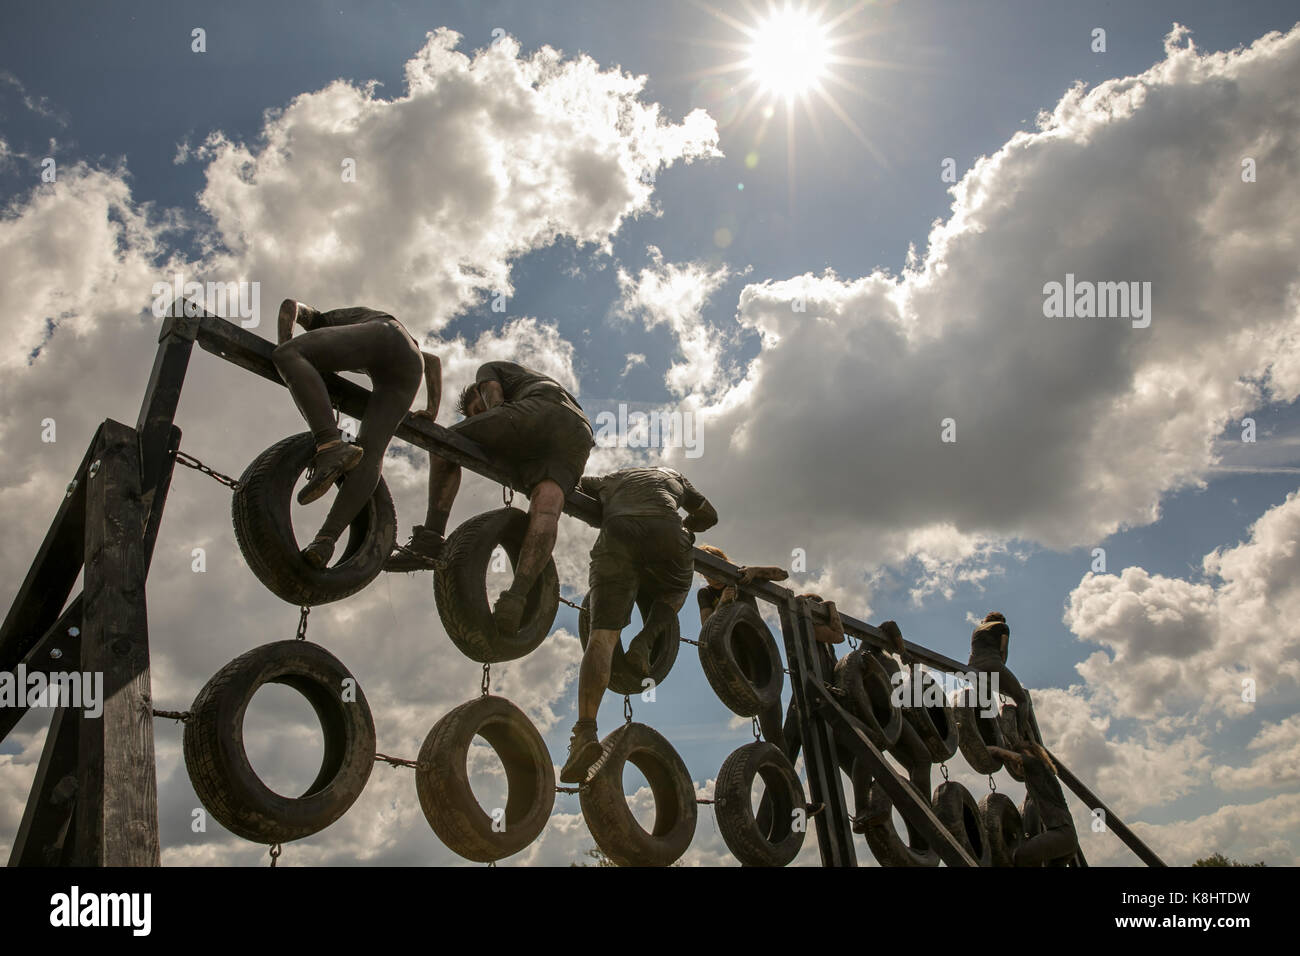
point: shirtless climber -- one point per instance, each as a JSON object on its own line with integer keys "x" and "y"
{"x": 643, "y": 548}
{"x": 1059, "y": 838}
{"x": 349, "y": 340}
{"x": 531, "y": 424}
{"x": 988, "y": 655}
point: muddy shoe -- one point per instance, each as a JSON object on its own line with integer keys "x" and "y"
{"x": 584, "y": 750}
{"x": 422, "y": 553}
{"x": 638, "y": 654}
{"x": 331, "y": 462}
{"x": 319, "y": 552}
{"x": 508, "y": 614}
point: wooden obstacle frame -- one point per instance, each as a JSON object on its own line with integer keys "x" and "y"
{"x": 93, "y": 801}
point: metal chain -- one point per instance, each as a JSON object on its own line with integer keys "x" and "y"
{"x": 181, "y": 715}
{"x": 507, "y": 495}
{"x": 302, "y": 623}
{"x": 486, "y": 684}
{"x": 276, "y": 850}
{"x": 758, "y": 733}
{"x": 189, "y": 461}
{"x": 397, "y": 761}
{"x": 627, "y": 708}
{"x": 943, "y": 769}
{"x": 576, "y": 607}
{"x": 993, "y": 784}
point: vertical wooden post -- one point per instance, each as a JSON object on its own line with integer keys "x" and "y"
{"x": 117, "y": 793}
{"x": 834, "y": 830}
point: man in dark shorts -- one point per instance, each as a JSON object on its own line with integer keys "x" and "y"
{"x": 349, "y": 340}
{"x": 532, "y": 425}
{"x": 644, "y": 548}
{"x": 1059, "y": 839}
{"x": 988, "y": 655}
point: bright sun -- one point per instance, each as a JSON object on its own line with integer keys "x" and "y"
{"x": 790, "y": 52}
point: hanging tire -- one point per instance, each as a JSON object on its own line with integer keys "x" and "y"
{"x": 448, "y": 801}
{"x": 260, "y": 511}
{"x": 461, "y": 594}
{"x": 934, "y": 720}
{"x": 1003, "y": 826}
{"x": 218, "y": 764}
{"x": 883, "y": 839}
{"x": 1032, "y": 825}
{"x": 1008, "y": 722}
{"x": 869, "y": 693}
{"x": 740, "y": 659}
{"x": 976, "y": 733}
{"x": 663, "y": 655}
{"x": 960, "y": 814}
{"x": 734, "y": 809}
{"x": 610, "y": 819}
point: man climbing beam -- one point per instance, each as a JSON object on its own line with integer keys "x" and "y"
{"x": 1059, "y": 839}
{"x": 532, "y": 425}
{"x": 988, "y": 656}
{"x": 644, "y": 548}
{"x": 349, "y": 340}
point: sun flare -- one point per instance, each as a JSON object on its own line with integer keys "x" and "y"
{"x": 790, "y": 52}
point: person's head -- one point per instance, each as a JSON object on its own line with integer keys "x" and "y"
{"x": 471, "y": 401}
{"x": 995, "y": 616}
{"x": 717, "y": 553}
{"x": 1033, "y": 749}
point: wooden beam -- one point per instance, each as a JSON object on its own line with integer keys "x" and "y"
{"x": 59, "y": 637}
{"x": 834, "y": 829}
{"x": 915, "y": 809}
{"x": 117, "y": 793}
{"x": 52, "y": 575}
{"x": 51, "y": 805}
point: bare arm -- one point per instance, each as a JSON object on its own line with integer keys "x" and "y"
{"x": 432, "y": 385}
{"x": 1010, "y": 758}
{"x": 702, "y": 518}
{"x": 762, "y": 572}
{"x": 492, "y": 392}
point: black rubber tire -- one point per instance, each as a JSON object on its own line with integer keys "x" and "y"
{"x": 935, "y": 724}
{"x": 884, "y": 841}
{"x": 734, "y": 809}
{"x": 260, "y": 512}
{"x": 461, "y": 594}
{"x": 868, "y": 694}
{"x": 610, "y": 819}
{"x": 741, "y": 660}
{"x": 976, "y": 733}
{"x": 1007, "y": 720}
{"x": 662, "y": 656}
{"x": 218, "y": 764}
{"x": 958, "y": 811}
{"x": 1003, "y": 826}
{"x": 448, "y": 801}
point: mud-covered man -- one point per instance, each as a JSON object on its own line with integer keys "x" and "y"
{"x": 644, "y": 548}
{"x": 532, "y": 425}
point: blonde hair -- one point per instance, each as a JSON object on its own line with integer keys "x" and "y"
{"x": 716, "y": 552}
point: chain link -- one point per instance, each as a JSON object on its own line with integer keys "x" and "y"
{"x": 507, "y": 495}
{"x": 302, "y": 623}
{"x": 486, "y": 684}
{"x": 758, "y": 732}
{"x": 993, "y": 784}
{"x": 572, "y": 604}
{"x": 276, "y": 850}
{"x": 189, "y": 461}
{"x": 181, "y": 715}
{"x": 943, "y": 769}
{"x": 627, "y": 709}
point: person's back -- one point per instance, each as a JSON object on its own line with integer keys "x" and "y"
{"x": 642, "y": 493}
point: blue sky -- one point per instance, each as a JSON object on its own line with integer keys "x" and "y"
{"x": 117, "y": 88}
